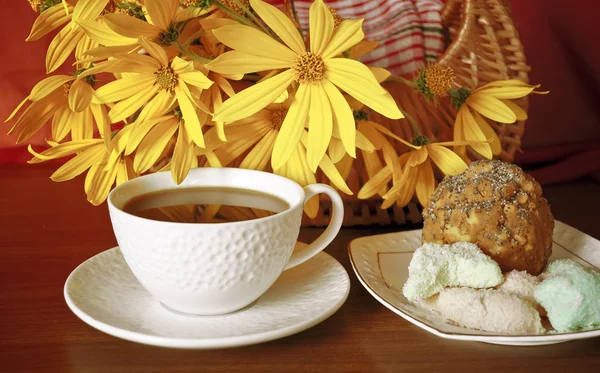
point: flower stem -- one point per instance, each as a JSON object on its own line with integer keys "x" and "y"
{"x": 253, "y": 17}
{"x": 191, "y": 55}
{"x": 399, "y": 79}
{"x": 233, "y": 14}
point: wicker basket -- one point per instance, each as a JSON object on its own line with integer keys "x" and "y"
{"x": 483, "y": 46}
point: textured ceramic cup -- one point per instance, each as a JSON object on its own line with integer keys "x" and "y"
{"x": 211, "y": 269}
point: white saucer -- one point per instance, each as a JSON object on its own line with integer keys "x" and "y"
{"x": 103, "y": 292}
{"x": 381, "y": 265}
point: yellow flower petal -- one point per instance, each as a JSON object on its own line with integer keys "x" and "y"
{"x": 373, "y": 165}
{"x": 225, "y": 85}
{"x": 64, "y": 149}
{"x": 510, "y": 92}
{"x": 358, "y": 81}
{"x": 345, "y": 167}
{"x": 448, "y": 162}
{"x": 489, "y": 133}
{"x": 47, "y": 21}
{"x": 491, "y": 107}
{"x": 14, "y": 112}
{"x": 297, "y": 170}
{"x": 131, "y": 27}
{"x": 506, "y": 83}
{"x": 418, "y": 156}
{"x": 425, "y": 183}
{"x": 342, "y": 116}
{"x": 159, "y": 105}
{"x": 334, "y": 175}
{"x": 48, "y": 85}
{"x": 520, "y": 113}
{"x": 140, "y": 129}
{"x": 367, "y": 129}
{"x": 254, "y": 98}
{"x": 409, "y": 184}
{"x": 153, "y": 145}
{"x": 376, "y": 183}
{"x": 102, "y": 34}
{"x": 161, "y": 12}
{"x": 79, "y": 164}
{"x": 280, "y": 24}
{"x": 154, "y": 50}
{"x": 85, "y": 44}
{"x": 80, "y": 95}
{"x": 89, "y": 178}
{"x": 472, "y": 132}
{"x": 380, "y": 74}
{"x": 82, "y": 125}
{"x": 197, "y": 79}
{"x": 192, "y": 125}
{"x": 259, "y": 156}
{"x": 320, "y": 125}
{"x": 282, "y": 97}
{"x": 236, "y": 62}
{"x": 336, "y": 150}
{"x": 362, "y": 48}
{"x": 321, "y": 27}
{"x": 88, "y": 9}
{"x": 102, "y": 122}
{"x": 130, "y": 105}
{"x": 231, "y": 150}
{"x": 61, "y": 123}
{"x": 123, "y": 172}
{"x": 347, "y": 34}
{"x": 61, "y": 47}
{"x": 254, "y": 43}
{"x": 180, "y": 65}
{"x": 389, "y": 133}
{"x": 291, "y": 128}
{"x": 34, "y": 118}
{"x": 123, "y": 88}
{"x": 100, "y": 185}
{"x": 182, "y": 158}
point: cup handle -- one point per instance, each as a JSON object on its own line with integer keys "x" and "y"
{"x": 332, "y": 230}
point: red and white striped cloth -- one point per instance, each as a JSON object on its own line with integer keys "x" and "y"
{"x": 409, "y": 31}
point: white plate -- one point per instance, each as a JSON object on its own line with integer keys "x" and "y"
{"x": 381, "y": 265}
{"x": 103, "y": 292}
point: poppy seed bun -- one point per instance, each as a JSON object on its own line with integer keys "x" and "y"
{"x": 499, "y": 208}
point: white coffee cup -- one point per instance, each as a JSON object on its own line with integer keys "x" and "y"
{"x": 212, "y": 269}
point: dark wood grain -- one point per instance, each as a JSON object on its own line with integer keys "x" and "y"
{"x": 47, "y": 229}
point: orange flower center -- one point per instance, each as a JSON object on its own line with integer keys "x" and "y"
{"x": 35, "y": 4}
{"x": 337, "y": 19}
{"x": 166, "y": 78}
{"x": 67, "y": 88}
{"x": 232, "y": 4}
{"x": 110, "y": 7}
{"x": 308, "y": 68}
{"x": 277, "y": 118}
{"x": 439, "y": 79}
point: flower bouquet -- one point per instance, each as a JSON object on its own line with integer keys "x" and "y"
{"x": 169, "y": 85}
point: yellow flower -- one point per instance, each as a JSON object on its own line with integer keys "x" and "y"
{"x": 151, "y": 138}
{"x": 412, "y": 172}
{"x": 319, "y": 73}
{"x": 492, "y": 101}
{"x": 255, "y": 136}
{"x": 68, "y": 100}
{"x": 162, "y": 16}
{"x": 155, "y": 82}
{"x": 103, "y": 166}
{"x": 71, "y": 37}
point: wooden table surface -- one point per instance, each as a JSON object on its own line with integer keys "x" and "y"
{"x": 47, "y": 229}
